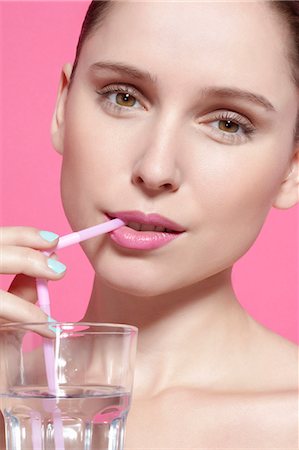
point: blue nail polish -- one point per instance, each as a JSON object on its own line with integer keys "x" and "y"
{"x": 56, "y": 266}
{"x": 55, "y": 330}
{"x": 50, "y": 319}
{"x": 48, "y": 235}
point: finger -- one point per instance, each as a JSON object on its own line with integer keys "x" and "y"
{"x": 24, "y": 287}
{"x": 15, "y": 309}
{"x": 30, "y": 262}
{"x": 28, "y": 237}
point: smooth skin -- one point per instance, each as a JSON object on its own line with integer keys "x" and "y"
{"x": 207, "y": 375}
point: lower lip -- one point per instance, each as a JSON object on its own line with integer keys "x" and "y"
{"x": 141, "y": 240}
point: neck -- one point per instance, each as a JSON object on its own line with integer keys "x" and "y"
{"x": 109, "y": 305}
{"x": 201, "y": 320}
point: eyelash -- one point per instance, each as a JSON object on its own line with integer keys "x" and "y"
{"x": 248, "y": 128}
{"x": 116, "y": 89}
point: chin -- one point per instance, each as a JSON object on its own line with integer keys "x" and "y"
{"x": 138, "y": 283}
{"x": 134, "y": 288}
{"x": 148, "y": 277}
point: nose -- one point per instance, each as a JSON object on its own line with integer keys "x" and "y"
{"x": 157, "y": 168}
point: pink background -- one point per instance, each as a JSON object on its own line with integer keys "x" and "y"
{"x": 37, "y": 38}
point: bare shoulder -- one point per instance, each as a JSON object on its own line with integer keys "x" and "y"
{"x": 214, "y": 420}
{"x": 254, "y": 404}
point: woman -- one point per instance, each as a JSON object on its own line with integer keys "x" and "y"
{"x": 193, "y": 135}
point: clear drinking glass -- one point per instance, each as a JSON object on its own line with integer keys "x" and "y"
{"x": 66, "y": 389}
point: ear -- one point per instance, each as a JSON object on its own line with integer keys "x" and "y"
{"x": 288, "y": 194}
{"x": 57, "y": 126}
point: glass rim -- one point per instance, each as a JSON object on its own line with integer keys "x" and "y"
{"x": 106, "y": 326}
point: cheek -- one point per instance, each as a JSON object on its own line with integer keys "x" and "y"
{"x": 235, "y": 196}
{"x": 93, "y": 162}
{"x": 234, "y": 191}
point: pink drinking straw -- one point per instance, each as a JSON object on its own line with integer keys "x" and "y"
{"x": 88, "y": 233}
{"x": 48, "y": 346}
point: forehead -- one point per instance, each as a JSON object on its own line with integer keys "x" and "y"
{"x": 203, "y": 42}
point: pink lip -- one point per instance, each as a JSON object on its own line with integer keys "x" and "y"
{"x": 144, "y": 240}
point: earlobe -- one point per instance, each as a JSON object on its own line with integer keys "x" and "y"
{"x": 288, "y": 194}
{"x": 57, "y": 126}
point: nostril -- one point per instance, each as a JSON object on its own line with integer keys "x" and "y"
{"x": 166, "y": 186}
{"x": 139, "y": 180}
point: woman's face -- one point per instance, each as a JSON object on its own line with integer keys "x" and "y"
{"x": 185, "y": 110}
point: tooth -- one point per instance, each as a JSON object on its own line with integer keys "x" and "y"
{"x": 134, "y": 225}
{"x": 147, "y": 227}
{"x": 160, "y": 229}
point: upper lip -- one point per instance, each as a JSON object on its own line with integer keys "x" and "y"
{"x": 152, "y": 219}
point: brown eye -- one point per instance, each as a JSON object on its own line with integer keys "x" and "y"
{"x": 228, "y": 125}
{"x": 125, "y": 99}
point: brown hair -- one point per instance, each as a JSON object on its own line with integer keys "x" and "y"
{"x": 289, "y": 12}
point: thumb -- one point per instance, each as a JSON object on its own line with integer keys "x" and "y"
{"x": 24, "y": 287}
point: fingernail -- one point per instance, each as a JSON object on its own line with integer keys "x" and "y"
{"x": 55, "y": 330}
{"x": 48, "y": 235}
{"x": 50, "y": 319}
{"x": 56, "y": 266}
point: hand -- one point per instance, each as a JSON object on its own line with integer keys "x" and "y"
{"x": 21, "y": 254}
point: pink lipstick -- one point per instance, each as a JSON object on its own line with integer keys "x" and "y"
{"x": 144, "y": 231}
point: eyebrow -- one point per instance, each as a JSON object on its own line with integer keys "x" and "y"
{"x": 223, "y": 92}
{"x": 238, "y": 94}
{"x": 123, "y": 69}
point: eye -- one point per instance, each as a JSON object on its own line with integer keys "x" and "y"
{"x": 120, "y": 98}
{"x": 229, "y": 127}
{"x": 123, "y": 99}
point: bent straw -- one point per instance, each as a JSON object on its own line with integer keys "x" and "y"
{"x": 44, "y": 303}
